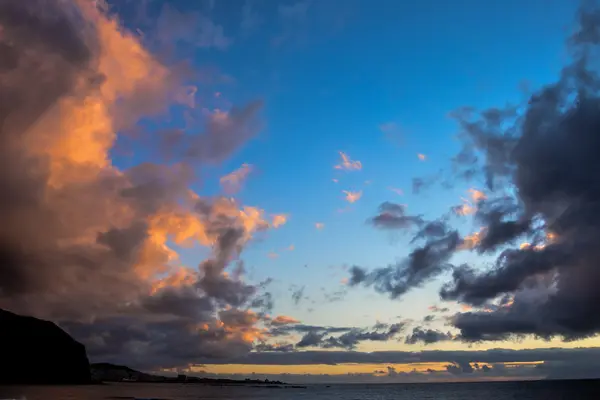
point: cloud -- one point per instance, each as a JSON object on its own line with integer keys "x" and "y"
{"x": 297, "y": 295}
{"x": 279, "y": 220}
{"x": 283, "y": 320}
{"x": 420, "y": 184}
{"x": 319, "y": 225}
{"x": 224, "y": 134}
{"x": 437, "y": 309}
{"x": 422, "y": 157}
{"x": 393, "y": 216}
{"x": 497, "y": 356}
{"x": 469, "y": 206}
{"x": 349, "y": 339}
{"x": 233, "y": 181}
{"x": 348, "y": 164}
{"x": 422, "y": 264}
{"x": 90, "y": 245}
{"x": 272, "y": 255}
{"x": 457, "y": 368}
{"x": 399, "y": 192}
{"x": 427, "y": 336}
{"x": 538, "y": 160}
{"x": 352, "y": 197}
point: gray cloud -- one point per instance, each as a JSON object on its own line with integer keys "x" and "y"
{"x": 350, "y": 339}
{"x": 492, "y": 356}
{"x": 427, "y": 336}
{"x": 392, "y": 216}
{"x": 298, "y": 295}
{"x": 422, "y": 264}
{"x": 460, "y": 368}
{"x": 546, "y": 151}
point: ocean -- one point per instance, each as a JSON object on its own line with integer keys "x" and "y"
{"x": 542, "y": 390}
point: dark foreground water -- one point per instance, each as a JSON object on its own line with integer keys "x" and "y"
{"x": 542, "y": 390}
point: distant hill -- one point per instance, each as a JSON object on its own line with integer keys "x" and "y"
{"x": 34, "y": 351}
{"x": 106, "y": 372}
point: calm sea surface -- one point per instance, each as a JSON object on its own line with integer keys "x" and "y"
{"x": 548, "y": 390}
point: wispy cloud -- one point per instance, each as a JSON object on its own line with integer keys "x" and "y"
{"x": 348, "y": 164}
{"x": 291, "y": 247}
{"x": 272, "y": 255}
{"x": 319, "y": 225}
{"x": 335, "y": 180}
{"x": 352, "y": 197}
{"x": 233, "y": 181}
{"x": 399, "y": 192}
{"x": 284, "y": 320}
{"x": 422, "y": 157}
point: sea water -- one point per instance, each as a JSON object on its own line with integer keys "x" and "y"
{"x": 538, "y": 390}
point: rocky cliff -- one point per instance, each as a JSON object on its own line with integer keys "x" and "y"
{"x": 34, "y": 351}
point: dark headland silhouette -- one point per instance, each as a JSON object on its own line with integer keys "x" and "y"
{"x": 38, "y": 352}
{"x": 34, "y": 351}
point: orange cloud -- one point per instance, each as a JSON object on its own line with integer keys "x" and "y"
{"x": 422, "y": 157}
{"x": 272, "y": 255}
{"x": 180, "y": 277}
{"x": 352, "y": 197}
{"x": 471, "y": 241}
{"x": 284, "y": 320}
{"x": 477, "y": 195}
{"x": 291, "y": 247}
{"x": 117, "y": 228}
{"x": 279, "y": 220}
{"x": 233, "y": 181}
{"x": 348, "y": 164}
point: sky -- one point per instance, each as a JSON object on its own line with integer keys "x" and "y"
{"x": 323, "y": 191}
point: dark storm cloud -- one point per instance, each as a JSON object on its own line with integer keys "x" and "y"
{"x": 303, "y": 329}
{"x": 422, "y": 264}
{"x": 349, "y": 340}
{"x": 503, "y": 220}
{"x": 548, "y": 152}
{"x": 284, "y": 347}
{"x": 427, "y": 336}
{"x": 337, "y": 337}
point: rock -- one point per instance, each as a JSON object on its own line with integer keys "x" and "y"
{"x": 34, "y": 351}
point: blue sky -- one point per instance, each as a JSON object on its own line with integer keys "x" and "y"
{"x": 331, "y": 74}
